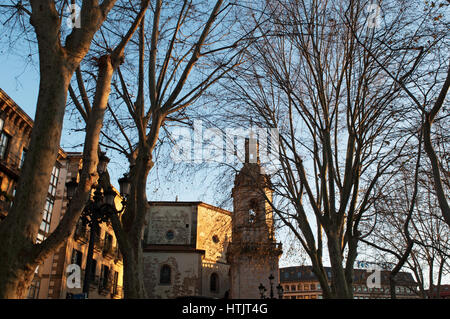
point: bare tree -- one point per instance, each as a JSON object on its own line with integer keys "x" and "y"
{"x": 309, "y": 77}
{"x": 58, "y": 60}
{"x": 188, "y": 49}
{"x": 422, "y": 70}
{"x": 410, "y": 233}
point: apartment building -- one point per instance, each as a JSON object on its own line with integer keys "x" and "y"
{"x": 50, "y": 280}
{"x": 301, "y": 283}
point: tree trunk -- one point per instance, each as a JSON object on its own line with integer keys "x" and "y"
{"x": 130, "y": 232}
{"x": 19, "y": 230}
{"x": 339, "y": 281}
{"x": 133, "y": 273}
{"x": 20, "y": 256}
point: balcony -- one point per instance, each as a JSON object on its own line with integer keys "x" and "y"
{"x": 116, "y": 292}
{"x": 105, "y": 286}
{"x": 11, "y": 164}
{"x": 81, "y": 234}
{"x": 98, "y": 243}
{"x": 109, "y": 250}
{"x": 118, "y": 255}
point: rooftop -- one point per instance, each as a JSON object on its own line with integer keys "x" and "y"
{"x": 305, "y": 273}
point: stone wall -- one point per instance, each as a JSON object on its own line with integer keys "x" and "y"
{"x": 214, "y": 236}
{"x": 177, "y": 219}
{"x": 185, "y": 274}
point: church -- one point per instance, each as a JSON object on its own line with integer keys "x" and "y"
{"x": 196, "y": 249}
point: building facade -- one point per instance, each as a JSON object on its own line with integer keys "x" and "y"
{"x": 196, "y": 249}
{"x": 301, "y": 283}
{"x": 15, "y": 131}
{"x": 50, "y": 280}
{"x": 254, "y": 252}
{"x": 52, "y": 277}
{"x": 184, "y": 250}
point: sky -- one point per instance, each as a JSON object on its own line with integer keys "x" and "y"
{"x": 19, "y": 78}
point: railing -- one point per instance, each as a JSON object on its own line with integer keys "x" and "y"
{"x": 97, "y": 242}
{"x": 118, "y": 255}
{"x": 82, "y": 233}
{"x": 105, "y": 286}
{"x": 12, "y": 162}
{"x": 108, "y": 249}
{"x": 116, "y": 291}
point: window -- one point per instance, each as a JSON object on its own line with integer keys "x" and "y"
{"x": 165, "y": 275}
{"x": 93, "y": 270}
{"x": 170, "y": 235}
{"x": 313, "y": 287}
{"x": 22, "y": 157}
{"x": 306, "y": 287}
{"x": 48, "y": 209}
{"x": 214, "y": 283}
{"x": 4, "y": 141}
{"x": 53, "y": 181}
{"x": 115, "y": 283}
{"x": 104, "y": 277}
{"x": 293, "y": 288}
{"x": 108, "y": 243}
{"x": 286, "y": 288}
{"x": 215, "y": 239}
{"x": 252, "y": 217}
{"x": 34, "y": 290}
{"x": 77, "y": 257}
{"x": 299, "y": 287}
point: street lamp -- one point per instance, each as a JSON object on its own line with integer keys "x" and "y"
{"x": 271, "y": 285}
{"x": 262, "y": 289}
{"x": 71, "y": 187}
{"x": 125, "y": 185}
{"x": 97, "y": 210}
{"x": 103, "y": 161}
{"x": 280, "y": 291}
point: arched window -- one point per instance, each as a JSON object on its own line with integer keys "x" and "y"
{"x": 252, "y": 216}
{"x": 214, "y": 283}
{"x": 165, "y": 274}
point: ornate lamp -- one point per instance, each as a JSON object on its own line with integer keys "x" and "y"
{"x": 110, "y": 196}
{"x": 103, "y": 161}
{"x": 262, "y": 290}
{"x": 280, "y": 291}
{"x": 71, "y": 187}
{"x": 125, "y": 185}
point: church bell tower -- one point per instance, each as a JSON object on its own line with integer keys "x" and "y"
{"x": 253, "y": 253}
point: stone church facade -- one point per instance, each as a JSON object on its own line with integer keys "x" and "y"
{"x": 196, "y": 249}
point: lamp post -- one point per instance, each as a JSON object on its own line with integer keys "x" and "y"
{"x": 99, "y": 209}
{"x": 262, "y": 289}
